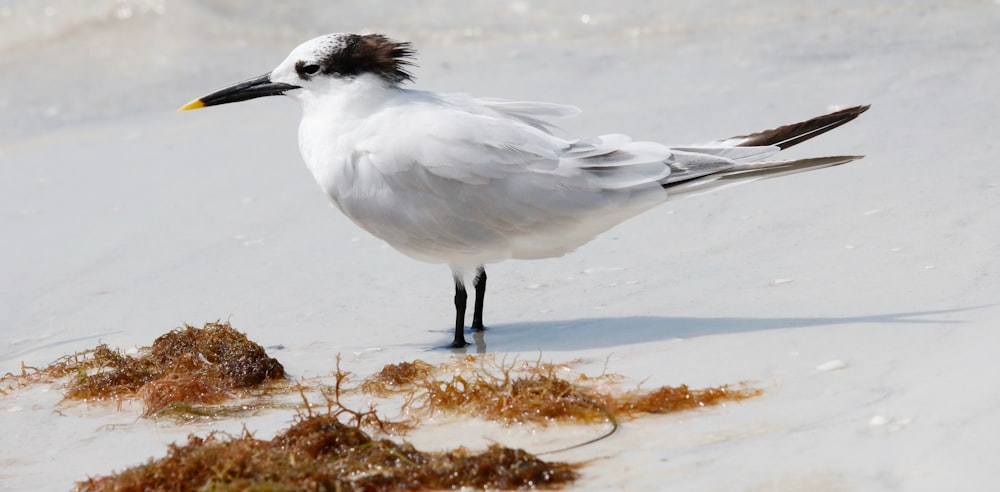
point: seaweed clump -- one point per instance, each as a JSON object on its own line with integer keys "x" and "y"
{"x": 537, "y": 394}
{"x": 183, "y": 367}
{"x": 396, "y": 377}
{"x": 668, "y": 399}
{"x": 320, "y": 453}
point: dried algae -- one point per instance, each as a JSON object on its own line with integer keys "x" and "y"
{"x": 534, "y": 393}
{"x": 191, "y": 366}
{"x": 183, "y": 367}
{"x": 321, "y": 453}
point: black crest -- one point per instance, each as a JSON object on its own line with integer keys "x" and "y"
{"x": 370, "y": 53}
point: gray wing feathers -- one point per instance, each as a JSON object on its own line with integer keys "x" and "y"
{"x": 746, "y": 173}
{"x": 742, "y": 159}
{"x": 614, "y": 162}
{"x": 531, "y": 113}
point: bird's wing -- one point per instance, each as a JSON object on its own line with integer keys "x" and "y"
{"x": 532, "y": 113}
{"x": 472, "y": 148}
{"x": 477, "y": 144}
{"x": 748, "y": 173}
{"x": 691, "y": 162}
{"x": 490, "y": 186}
{"x": 749, "y": 153}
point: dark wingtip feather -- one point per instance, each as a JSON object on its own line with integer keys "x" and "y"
{"x": 795, "y": 133}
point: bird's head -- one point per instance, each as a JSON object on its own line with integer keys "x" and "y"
{"x": 319, "y": 64}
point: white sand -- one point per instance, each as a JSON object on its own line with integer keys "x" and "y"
{"x": 862, "y": 299}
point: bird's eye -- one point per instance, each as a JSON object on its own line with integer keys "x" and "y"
{"x": 310, "y": 69}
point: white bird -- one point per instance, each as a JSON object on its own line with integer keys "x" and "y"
{"x": 466, "y": 181}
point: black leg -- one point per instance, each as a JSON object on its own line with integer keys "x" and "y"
{"x": 460, "y": 297}
{"x": 480, "y": 284}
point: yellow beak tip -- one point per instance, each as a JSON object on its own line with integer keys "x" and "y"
{"x": 192, "y": 105}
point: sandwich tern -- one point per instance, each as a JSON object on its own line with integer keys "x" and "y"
{"x": 467, "y": 181}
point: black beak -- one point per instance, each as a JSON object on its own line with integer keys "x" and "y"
{"x": 248, "y": 89}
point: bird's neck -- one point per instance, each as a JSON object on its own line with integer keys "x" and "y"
{"x": 347, "y": 100}
{"x": 333, "y": 124}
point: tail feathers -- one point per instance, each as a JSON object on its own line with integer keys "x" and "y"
{"x": 795, "y": 133}
{"x": 746, "y": 173}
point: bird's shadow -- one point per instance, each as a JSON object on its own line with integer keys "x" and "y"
{"x": 591, "y": 333}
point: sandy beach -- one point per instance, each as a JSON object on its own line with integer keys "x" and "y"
{"x": 861, "y": 299}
